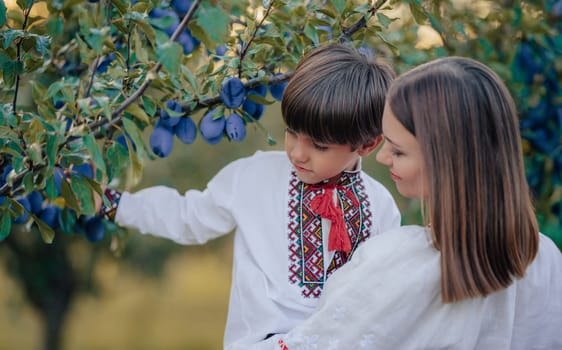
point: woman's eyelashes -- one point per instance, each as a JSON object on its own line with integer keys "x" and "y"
{"x": 396, "y": 152}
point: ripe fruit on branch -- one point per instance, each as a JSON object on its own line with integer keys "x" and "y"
{"x": 277, "y": 90}
{"x": 36, "y": 202}
{"x": 166, "y": 20}
{"x": 167, "y": 120}
{"x": 181, "y": 6}
{"x": 233, "y": 93}
{"x": 94, "y": 229}
{"x": 84, "y": 169}
{"x": 186, "y": 130}
{"x": 212, "y": 126}
{"x": 235, "y": 127}
{"x": 50, "y": 215}
{"x": 161, "y": 141}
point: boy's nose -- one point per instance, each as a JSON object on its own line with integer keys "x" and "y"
{"x": 298, "y": 152}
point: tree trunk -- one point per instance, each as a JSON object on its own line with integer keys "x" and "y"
{"x": 45, "y": 273}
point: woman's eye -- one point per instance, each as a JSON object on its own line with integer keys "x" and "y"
{"x": 396, "y": 153}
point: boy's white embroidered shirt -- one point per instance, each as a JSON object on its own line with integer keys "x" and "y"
{"x": 279, "y": 253}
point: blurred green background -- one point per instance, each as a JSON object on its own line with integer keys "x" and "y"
{"x": 142, "y": 292}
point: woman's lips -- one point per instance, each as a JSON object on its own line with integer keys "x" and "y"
{"x": 394, "y": 177}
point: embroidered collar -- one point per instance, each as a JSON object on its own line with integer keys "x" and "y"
{"x": 346, "y": 178}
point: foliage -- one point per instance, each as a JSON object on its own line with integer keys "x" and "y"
{"x": 102, "y": 73}
{"x": 83, "y": 82}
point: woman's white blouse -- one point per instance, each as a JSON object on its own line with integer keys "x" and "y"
{"x": 389, "y": 297}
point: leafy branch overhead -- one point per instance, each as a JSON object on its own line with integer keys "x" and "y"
{"x": 112, "y": 83}
{"x": 102, "y": 73}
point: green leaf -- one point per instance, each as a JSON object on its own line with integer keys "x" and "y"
{"x": 10, "y": 35}
{"x": 118, "y": 158}
{"x": 95, "y": 152}
{"x": 135, "y": 110}
{"x": 384, "y": 20}
{"x": 5, "y": 224}
{"x": 339, "y": 5}
{"x": 68, "y": 195}
{"x": 135, "y": 135}
{"x": 215, "y": 22}
{"x": 311, "y": 33}
{"x": 2, "y": 13}
{"x": 55, "y": 26}
{"x": 259, "y": 99}
{"x": 417, "y": 11}
{"x": 68, "y": 220}
{"x": 9, "y": 73}
{"x": 95, "y": 39}
{"x": 149, "y": 105}
{"x": 83, "y": 192}
{"x": 47, "y": 233}
{"x": 170, "y": 54}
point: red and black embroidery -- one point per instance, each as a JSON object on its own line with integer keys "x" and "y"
{"x": 306, "y": 250}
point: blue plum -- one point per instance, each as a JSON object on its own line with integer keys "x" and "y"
{"x": 104, "y": 64}
{"x": 166, "y": 20}
{"x": 211, "y": 127}
{"x": 277, "y": 90}
{"x": 161, "y": 141}
{"x": 36, "y": 201}
{"x": 255, "y": 110}
{"x": 235, "y": 127}
{"x": 165, "y": 119}
{"x": 84, "y": 169}
{"x": 186, "y": 130}
{"x": 221, "y": 50}
{"x": 187, "y": 41}
{"x": 94, "y": 229}
{"x": 181, "y": 6}
{"x": 50, "y": 215}
{"x": 233, "y": 93}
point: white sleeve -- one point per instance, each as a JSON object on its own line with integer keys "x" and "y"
{"x": 192, "y": 218}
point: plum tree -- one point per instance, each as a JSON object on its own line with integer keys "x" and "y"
{"x": 83, "y": 82}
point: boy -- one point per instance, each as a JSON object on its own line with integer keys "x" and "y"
{"x": 297, "y": 215}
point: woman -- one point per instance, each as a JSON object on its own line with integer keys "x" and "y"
{"x": 478, "y": 274}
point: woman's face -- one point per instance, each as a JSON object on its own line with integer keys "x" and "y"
{"x": 402, "y": 155}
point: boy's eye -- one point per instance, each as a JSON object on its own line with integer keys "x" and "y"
{"x": 320, "y": 147}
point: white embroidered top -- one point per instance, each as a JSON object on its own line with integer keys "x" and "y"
{"x": 389, "y": 298}
{"x": 281, "y": 260}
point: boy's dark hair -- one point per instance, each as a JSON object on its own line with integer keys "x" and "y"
{"x": 337, "y": 95}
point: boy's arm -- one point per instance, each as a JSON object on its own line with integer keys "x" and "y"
{"x": 192, "y": 218}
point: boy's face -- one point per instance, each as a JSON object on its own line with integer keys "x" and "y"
{"x": 315, "y": 162}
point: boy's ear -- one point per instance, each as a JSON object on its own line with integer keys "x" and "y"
{"x": 368, "y": 147}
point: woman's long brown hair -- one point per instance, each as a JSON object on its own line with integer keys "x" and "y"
{"x": 482, "y": 219}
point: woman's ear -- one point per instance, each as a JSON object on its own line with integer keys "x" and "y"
{"x": 368, "y": 147}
